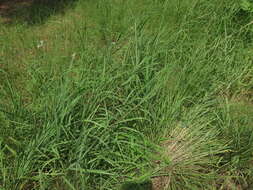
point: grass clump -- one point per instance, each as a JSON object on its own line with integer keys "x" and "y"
{"x": 127, "y": 95}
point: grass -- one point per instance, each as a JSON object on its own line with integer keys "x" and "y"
{"x": 115, "y": 94}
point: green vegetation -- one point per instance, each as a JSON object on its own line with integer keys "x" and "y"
{"x": 116, "y": 94}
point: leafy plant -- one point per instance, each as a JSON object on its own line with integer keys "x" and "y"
{"x": 247, "y": 5}
{"x": 144, "y": 185}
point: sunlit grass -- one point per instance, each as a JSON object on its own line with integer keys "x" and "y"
{"x": 109, "y": 92}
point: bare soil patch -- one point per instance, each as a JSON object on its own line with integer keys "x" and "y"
{"x": 8, "y": 9}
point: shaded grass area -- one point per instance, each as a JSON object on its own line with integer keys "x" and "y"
{"x": 128, "y": 91}
{"x": 32, "y": 12}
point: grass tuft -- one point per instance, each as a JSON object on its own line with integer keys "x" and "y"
{"x": 124, "y": 94}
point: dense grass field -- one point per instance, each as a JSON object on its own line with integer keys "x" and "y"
{"x": 127, "y": 94}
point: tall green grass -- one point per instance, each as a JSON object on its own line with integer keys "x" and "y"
{"x": 121, "y": 92}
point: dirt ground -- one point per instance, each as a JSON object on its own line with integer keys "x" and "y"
{"x": 8, "y": 8}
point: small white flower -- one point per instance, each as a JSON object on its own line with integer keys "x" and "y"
{"x": 40, "y": 44}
